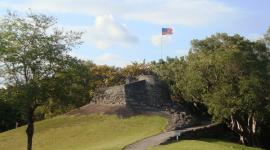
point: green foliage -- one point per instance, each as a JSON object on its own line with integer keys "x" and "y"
{"x": 69, "y": 88}
{"x": 136, "y": 69}
{"x": 233, "y": 74}
{"x": 173, "y": 72}
{"x": 92, "y": 132}
{"x": 9, "y": 111}
{"x": 32, "y": 52}
{"x": 229, "y": 75}
{"x": 105, "y": 76}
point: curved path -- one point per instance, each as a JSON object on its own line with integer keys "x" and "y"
{"x": 146, "y": 143}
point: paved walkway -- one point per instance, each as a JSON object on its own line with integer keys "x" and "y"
{"x": 155, "y": 140}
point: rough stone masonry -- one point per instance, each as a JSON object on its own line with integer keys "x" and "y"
{"x": 144, "y": 91}
{"x": 144, "y": 94}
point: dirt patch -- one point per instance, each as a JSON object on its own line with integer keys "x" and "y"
{"x": 119, "y": 110}
{"x": 177, "y": 119}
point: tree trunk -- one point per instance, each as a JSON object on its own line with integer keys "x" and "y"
{"x": 237, "y": 127}
{"x": 254, "y": 141}
{"x": 247, "y": 132}
{"x": 30, "y": 129}
{"x": 16, "y": 124}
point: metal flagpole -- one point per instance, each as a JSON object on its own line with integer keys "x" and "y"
{"x": 161, "y": 52}
{"x": 165, "y": 31}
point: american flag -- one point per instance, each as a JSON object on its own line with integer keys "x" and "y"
{"x": 166, "y": 31}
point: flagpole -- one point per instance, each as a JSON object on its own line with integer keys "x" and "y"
{"x": 161, "y": 52}
{"x": 164, "y": 31}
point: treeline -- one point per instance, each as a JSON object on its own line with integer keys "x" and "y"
{"x": 230, "y": 77}
{"x": 68, "y": 90}
{"x": 224, "y": 76}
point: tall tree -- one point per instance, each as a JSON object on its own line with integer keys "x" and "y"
{"x": 32, "y": 51}
{"x": 173, "y": 72}
{"x": 71, "y": 88}
{"x": 233, "y": 78}
{"x": 230, "y": 76}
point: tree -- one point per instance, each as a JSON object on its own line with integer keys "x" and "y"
{"x": 172, "y": 71}
{"x": 10, "y": 114}
{"x": 136, "y": 69}
{"x": 69, "y": 89}
{"x": 32, "y": 52}
{"x": 175, "y": 72}
{"x": 231, "y": 78}
{"x": 105, "y": 76}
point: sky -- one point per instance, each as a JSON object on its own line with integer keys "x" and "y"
{"x": 118, "y": 32}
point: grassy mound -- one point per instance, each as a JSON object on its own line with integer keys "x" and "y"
{"x": 203, "y": 144}
{"x": 91, "y": 132}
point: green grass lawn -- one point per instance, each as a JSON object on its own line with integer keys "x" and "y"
{"x": 92, "y": 132}
{"x": 203, "y": 144}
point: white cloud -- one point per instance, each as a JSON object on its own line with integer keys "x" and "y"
{"x": 182, "y": 12}
{"x": 107, "y": 32}
{"x": 156, "y": 39}
{"x": 112, "y": 59}
{"x": 168, "y": 12}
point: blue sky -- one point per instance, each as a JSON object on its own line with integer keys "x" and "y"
{"x": 118, "y": 32}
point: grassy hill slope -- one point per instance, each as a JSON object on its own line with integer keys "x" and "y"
{"x": 90, "y": 132}
{"x": 102, "y": 132}
{"x": 203, "y": 144}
